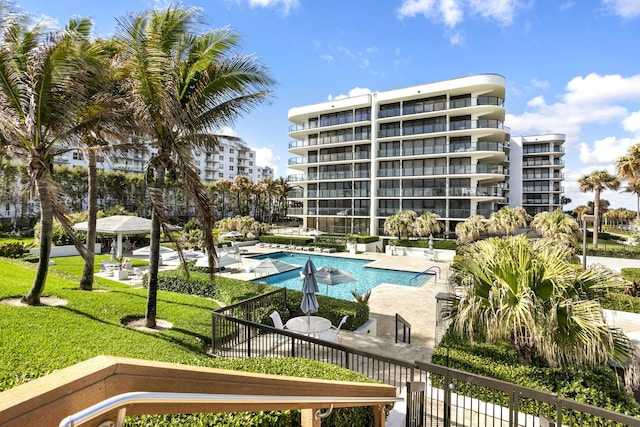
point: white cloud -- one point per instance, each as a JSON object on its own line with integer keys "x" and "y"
{"x": 452, "y": 12}
{"x": 632, "y": 122}
{"x": 353, "y": 92}
{"x": 326, "y": 57}
{"x": 265, "y": 157}
{"x": 587, "y": 100}
{"x": 605, "y": 151}
{"x": 624, "y": 8}
{"x": 567, "y": 5}
{"x": 456, "y": 38}
{"x": 540, "y": 84}
{"x": 285, "y": 5}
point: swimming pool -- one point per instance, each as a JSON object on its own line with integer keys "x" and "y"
{"x": 368, "y": 277}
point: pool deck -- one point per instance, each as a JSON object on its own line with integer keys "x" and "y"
{"x": 415, "y": 304}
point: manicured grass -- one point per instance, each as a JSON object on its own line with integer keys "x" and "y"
{"x": 37, "y": 340}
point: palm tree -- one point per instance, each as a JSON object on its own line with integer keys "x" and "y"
{"x": 597, "y": 181}
{"x": 427, "y": 224}
{"x": 182, "y": 87}
{"x": 556, "y": 225}
{"x": 531, "y": 294}
{"x": 46, "y": 79}
{"x": 471, "y": 229}
{"x": 628, "y": 168}
{"x": 400, "y": 222}
{"x": 223, "y": 186}
{"x": 282, "y": 192}
{"x": 242, "y": 186}
{"x": 508, "y": 220}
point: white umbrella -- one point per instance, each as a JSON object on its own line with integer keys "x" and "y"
{"x": 270, "y": 266}
{"x": 309, "y": 288}
{"x": 232, "y": 234}
{"x": 223, "y": 260}
{"x": 330, "y": 276}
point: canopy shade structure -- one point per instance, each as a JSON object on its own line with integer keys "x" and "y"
{"x": 118, "y": 225}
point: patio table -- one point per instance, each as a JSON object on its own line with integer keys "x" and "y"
{"x": 308, "y": 325}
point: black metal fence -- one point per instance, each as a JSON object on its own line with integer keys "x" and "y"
{"x": 234, "y": 337}
{"x": 403, "y": 330}
{"x": 448, "y": 397}
{"x": 436, "y": 395}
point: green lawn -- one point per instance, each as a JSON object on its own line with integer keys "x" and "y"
{"x": 37, "y": 340}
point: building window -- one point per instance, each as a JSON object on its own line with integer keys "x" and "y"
{"x": 231, "y": 150}
{"x": 231, "y": 159}
{"x": 77, "y": 155}
{"x": 250, "y": 170}
{"x": 230, "y": 168}
{"x": 250, "y": 163}
{"x": 251, "y": 155}
{"x": 220, "y": 174}
{"x": 221, "y": 157}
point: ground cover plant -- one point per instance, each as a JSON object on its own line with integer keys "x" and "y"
{"x": 37, "y": 340}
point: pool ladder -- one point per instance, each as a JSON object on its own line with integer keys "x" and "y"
{"x": 434, "y": 269}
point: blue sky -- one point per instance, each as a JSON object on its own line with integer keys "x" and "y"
{"x": 571, "y": 66}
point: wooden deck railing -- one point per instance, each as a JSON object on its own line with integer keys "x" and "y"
{"x": 47, "y": 401}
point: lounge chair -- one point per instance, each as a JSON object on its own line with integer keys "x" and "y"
{"x": 103, "y": 266}
{"x": 333, "y": 334}
{"x": 329, "y": 250}
{"x": 277, "y": 320}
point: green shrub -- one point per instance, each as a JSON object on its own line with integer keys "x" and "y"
{"x": 286, "y": 240}
{"x": 13, "y": 249}
{"x": 424, "y": 243}
{"x": 599, "y": 387}
{"x": 177, "y": 281}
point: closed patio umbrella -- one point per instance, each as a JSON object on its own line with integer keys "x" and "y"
{"x": 309, "y": 288}
{"x": 330, "y": 276}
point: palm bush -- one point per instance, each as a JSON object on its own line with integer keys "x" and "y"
{"x": 535, "y": 295}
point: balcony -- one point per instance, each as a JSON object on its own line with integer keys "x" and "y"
{"x": 330, "y": 158}
{"x": 441, "y": 127}
{"x": 442, "y": 149}
{"x": 440, "y": 105}
{"x": 329, "y": 176}
{"x": 443, "y": 170}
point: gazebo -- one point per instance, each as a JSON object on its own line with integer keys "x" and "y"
{"x": 118, "y": 225}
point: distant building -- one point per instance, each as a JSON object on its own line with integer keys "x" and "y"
{"x": 264, "y": 172}
{"x": 439, "y": 147}
{"x": 536, "y": 165}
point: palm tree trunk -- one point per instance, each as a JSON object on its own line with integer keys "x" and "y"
{"x": 46, "y": 224}
{"x": 86, "y": 281}
{"x": 154, "y": 249}
{"x": 596, "y": 218}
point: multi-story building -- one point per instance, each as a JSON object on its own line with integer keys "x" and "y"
{"x": 439, "y": 147}
{"x": 225, "y": 162}
{"x": 539, "y": 158}
{"x": 264, "y": 172}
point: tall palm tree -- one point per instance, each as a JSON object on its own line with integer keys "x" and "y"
{"x": 531, "y": 294}
{"x": 471, "y": 229}
{"x": 628, "y": 168}
{"x": 427, "y": 224}
{"x": 46, "y": 76}
{"x": 223, "y": 186}
{"x": 242, "y": 186}
{"x": 282, "y": 193}
{"x": 597, "y": 181}
{"x": 183, "y": 87}
{"x": 556, "y": 225}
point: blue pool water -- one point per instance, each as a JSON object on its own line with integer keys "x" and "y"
{"x": 368, "y": 278}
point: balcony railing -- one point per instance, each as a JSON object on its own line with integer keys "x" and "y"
{"x": 441, "y": 105}
{"x": 443, "y": 170}
{"x": 441, "y": 127}
{"x": 441, "y": 149}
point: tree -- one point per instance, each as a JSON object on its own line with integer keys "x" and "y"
{"x": 597, "y": 181}
{"x": 508, "y": 220}
{"x": 400, "y": 222}
{"x": 471, "y": 229}
{"x": 427, "y": 224}
{"x": 628, "y": 169}
{"x": 46, "y": 76}
{"x": 556, "y": 225}
{"x": 534, "y": 295}
{"x": 183, "y": 87}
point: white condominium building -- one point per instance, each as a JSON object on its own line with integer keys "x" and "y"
{"x": 439, "y": 147}
{"x": 539, "y": 160}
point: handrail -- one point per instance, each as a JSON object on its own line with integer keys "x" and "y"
{"x": 121, "y": 401}
{"x": 428, "y": 270}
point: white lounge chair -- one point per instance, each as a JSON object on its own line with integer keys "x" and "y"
{"x": 277, "y": 320}
{"x": 333, "y": 334}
